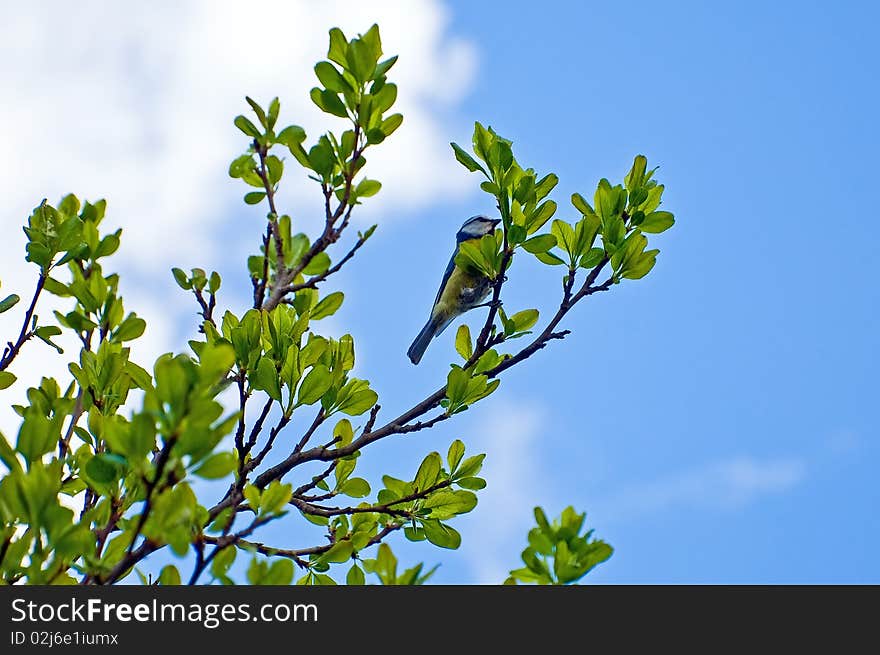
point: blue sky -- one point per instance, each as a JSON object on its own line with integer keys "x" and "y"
{"x": 714, "y": 418}
{"x": 755, "y": 338}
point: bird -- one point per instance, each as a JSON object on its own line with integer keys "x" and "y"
{"x": 460, "y": 290}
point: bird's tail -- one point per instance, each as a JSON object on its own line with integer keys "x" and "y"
{"x": 434, "y": 326}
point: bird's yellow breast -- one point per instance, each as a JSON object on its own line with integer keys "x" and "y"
{"x": 461, "y": 292}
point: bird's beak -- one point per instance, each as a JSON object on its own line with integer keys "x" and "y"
{"x": 495, "y": 222}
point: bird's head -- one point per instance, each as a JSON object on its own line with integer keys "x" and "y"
{"x": 476, "y": 227}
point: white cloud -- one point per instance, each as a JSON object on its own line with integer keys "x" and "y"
{"x": 727, "y": 484}
{"x": 495, "y": 534}
{"x": 134, "y": 102}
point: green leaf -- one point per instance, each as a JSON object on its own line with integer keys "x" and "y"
{"x": 390, "y": 124}
{"x": 549, "y": 258}
{"x": 339, "y": 553}
{"x": 254, "y": 197}
{"x": 367, "y": 188}
{"x": 375, "y": 135}
{"x": 327, "y": 306}
{"x": 488, "y": 360}
{"x": 319, "y": 264}
{"x": 181, "y": 278}
{"x": 279, "y": 573}
{"x": 103, "y": 469}
{"x": 109, "y": 244}
{"x": 516, "y": 234}
{"x": 539, "y": 244}
{"x": 316, "y": 383}
{"x": 456, "y": 452}
{"x": 545, "y": 185}
{"x": 383, "y": 67}
{"x": 447, "y": 504}
{"x": 490, "y": 187}
{"x": 463, "y": 344}
{"x": 542, "y": 213}
{"x": 328, "y": 102}
{"x": 657, "y": 222}
{"x": 592, "y": 258}
{"x": 246, "y": 126}
{"x": 338, "y": 46}
{"x": 471, "y": 258}
{"x": 46, "y": 332}
{"x": 428, "y": 472}
{"x": 261, "y": 115}
{"x": 57, "y": 288}
{"x": 216, "y": 466}
{"x": 331, "y": 78}
{"x": 525, "y": 319}
{"x": 636, "y": 175}
{"x": 471, "y": 466}
{"x": 373, "y": 41}
{"x": 473, "y": 483}
{"x": 565, "y": 236}
{"x": 275, "y": 498}
{"x": 456, "y": 385}
{"x": 222, "y": 561}
{"x": 466, "y": 160}
{"x": 169, "y": 576}
{"x": 653, "y": 199}
{"x": 358, "y": 402}
{"x": 8, "y": 302}
{"x": 355, "y": 576}
{"x": 361, "y": 60}
{"x": 256, "y": 571}
{"x": 639, "y": 268}
{"x": 356, "y": 488}
{"x": 6, "y": 380}
{"x": 241, "y": 166}
{"x": 441, "y": 534}
{"x": 385, "y": 97}
{"x": 274, "y": 108}
{"x": 291, "y": 136}
{"x": 266, "y": 377}
{"x": 131, "y": 328}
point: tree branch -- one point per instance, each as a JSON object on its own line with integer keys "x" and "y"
{"x": 313, "y": 281}
{"x": 299, "y": 491}
{"x": 221, "y": 543}
{"x": 481, "y": 345}
{"x": 255, "y": 462}
{"x": 298, "y": 555}
{"x": 12, "y": 349}
{"x": 328, "y": 236}
{"x": 161, "y": 461}
{"x": 207, "y": 307}
{"x": 385, "y": 508}
{"x": 401, "y": 423}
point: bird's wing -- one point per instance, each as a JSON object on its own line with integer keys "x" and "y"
{"x": 446, "y": 275}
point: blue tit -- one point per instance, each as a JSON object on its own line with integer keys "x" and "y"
{"x": 460, "y": 289}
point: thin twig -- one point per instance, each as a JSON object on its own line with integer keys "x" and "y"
{"x": 384, "y": 508}
{"x": 12, "y": 349}
{"x": 299, "y": 491}
{"x": 298, "y": 555}
{"x": 161, "y": 461}
{"x": 313, "y": 281}
{"x": 329, "y": 235}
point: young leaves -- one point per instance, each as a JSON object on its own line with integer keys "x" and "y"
{"x": 464, "y": 388}
{"x": 557, "y": 553}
